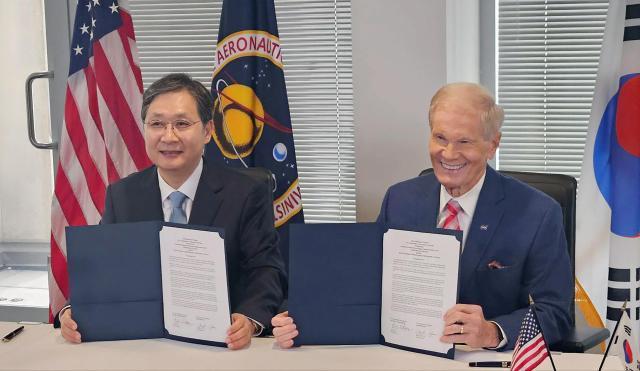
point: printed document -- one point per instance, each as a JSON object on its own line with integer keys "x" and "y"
{"x": 194, "y": 284}
{"x": 419, "y": 284}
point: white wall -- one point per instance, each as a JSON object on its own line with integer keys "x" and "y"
{"x": 25, "y": 172}
{"x": 399, "y": 61}
{"x": 463, "y": 40}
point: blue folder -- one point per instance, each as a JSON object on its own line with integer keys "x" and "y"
{"x": 335, "y": 280}
{"x": 335, "y": 284}
{"x": 115, "y": 281}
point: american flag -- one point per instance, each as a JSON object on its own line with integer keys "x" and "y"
{"x": 530, "y": 349}
{"x": 101, "y": 138}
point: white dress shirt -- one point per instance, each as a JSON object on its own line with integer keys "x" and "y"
{"x": 468, "y": 203}
{"x": 188, "y": 188}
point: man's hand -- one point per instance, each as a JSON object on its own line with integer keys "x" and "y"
{"x": 69, "y": 328}
{"x": 284, "y": 330}
{"x": 465, "y": 323}
{"x": 240, "y": 333}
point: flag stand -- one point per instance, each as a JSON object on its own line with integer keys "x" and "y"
{"x": 535, "y": 314}
{"x": 613, "y": 334}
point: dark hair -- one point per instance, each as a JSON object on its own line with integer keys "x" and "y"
{"x": 175, "y": 82}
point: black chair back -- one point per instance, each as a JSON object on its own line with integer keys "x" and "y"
{"x": 561, "y": 188}
{"x": 260, "y": 174}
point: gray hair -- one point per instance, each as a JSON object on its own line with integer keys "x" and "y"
{"x": 478, "y": 98}
{"x": 176, "y": 82}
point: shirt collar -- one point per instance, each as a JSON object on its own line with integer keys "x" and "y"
{"x": 189, "y": 187}
{"x": 467, "y": 201}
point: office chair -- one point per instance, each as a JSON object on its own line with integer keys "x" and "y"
{"x": 260, "y": 174}
{"x": 562, "y": 188}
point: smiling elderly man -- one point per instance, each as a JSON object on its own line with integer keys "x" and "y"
{"x": 513, "y": 245}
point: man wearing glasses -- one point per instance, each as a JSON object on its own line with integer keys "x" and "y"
{"x": 180, "y": 187}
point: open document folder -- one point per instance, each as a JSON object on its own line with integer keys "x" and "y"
{"x": 359, "y": 284}
{"x": 149, "y": 280}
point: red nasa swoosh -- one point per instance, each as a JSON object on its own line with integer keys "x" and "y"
{"x": 267, "y": 119}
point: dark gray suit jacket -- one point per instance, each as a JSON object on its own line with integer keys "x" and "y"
{"x": 225, "y": 199}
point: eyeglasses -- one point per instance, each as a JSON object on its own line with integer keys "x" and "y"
{"x": 179, "y": 125}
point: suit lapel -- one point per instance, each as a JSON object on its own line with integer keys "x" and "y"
{"x": 207, "y": 200}
{"x": 486, "y": 218}
{"x": 149, "y": 198}
{"x": 432, "y": 204}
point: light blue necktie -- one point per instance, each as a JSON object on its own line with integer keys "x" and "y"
{"x": 177, "y": 213}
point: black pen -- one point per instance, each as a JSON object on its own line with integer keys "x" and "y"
{"x": 496, "y": 364}
{"x": 13, "y": 334}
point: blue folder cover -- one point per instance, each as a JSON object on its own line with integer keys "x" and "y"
{"x": 335, "y": 279}
{"x": 335, "y": 284}
{"x": 115, "y": 281}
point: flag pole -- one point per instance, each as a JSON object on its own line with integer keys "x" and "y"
{"x": 613, "y": 334}
{"x": 546, "y": 345}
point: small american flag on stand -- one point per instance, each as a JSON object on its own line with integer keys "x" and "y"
{"x": 530, "y": 349}
{"x": 101, "y": 138}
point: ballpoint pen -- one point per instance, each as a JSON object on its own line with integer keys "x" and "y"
{"x": 13, "y": 334}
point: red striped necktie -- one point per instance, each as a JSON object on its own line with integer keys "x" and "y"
{"x": 448, "y": 218}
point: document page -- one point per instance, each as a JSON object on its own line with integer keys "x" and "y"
{"x": 419, "y": 284}
{"x": 194, "y": 284}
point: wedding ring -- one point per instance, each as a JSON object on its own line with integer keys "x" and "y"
{"x": 461, "y": 329}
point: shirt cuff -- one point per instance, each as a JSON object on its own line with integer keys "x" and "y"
{"x": 63, "y": 310}
{"x": 504, "y": 340}
{"x": 258, "y": 327}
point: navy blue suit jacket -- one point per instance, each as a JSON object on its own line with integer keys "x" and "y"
{"x": 225, "y": 199}
{"x": 513, "y": 224}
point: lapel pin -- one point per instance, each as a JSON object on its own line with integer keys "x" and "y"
{"x": 484, "y": 227}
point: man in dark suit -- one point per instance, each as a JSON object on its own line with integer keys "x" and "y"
{"x": 177, "y": 125}
{"x": 513, "y": 240}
